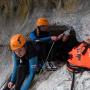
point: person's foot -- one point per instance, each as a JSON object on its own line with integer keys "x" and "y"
{"x": 48, "y": 65}
{"x": 51, "y": 66}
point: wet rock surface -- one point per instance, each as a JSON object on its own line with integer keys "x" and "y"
{"x": 19, "y": 16}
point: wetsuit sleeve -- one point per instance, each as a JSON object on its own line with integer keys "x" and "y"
{"x": 32, "y": 70}
{"x": 32, "y": 36}
{"x": 15, "y": 64}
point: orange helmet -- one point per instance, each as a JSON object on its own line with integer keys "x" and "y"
{"x": 17, "y": 41}
{"x": 42, "y": 21}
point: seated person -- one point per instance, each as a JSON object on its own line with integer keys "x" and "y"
{"x": 25, "y": 63}
{"x": 43, "y": 38}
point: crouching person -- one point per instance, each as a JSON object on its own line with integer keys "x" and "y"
{"x": 43, "y": 38}
{"x": 24, "y": 63}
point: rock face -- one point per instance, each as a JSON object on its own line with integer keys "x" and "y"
{"x": 62, "y": 79}
{"x": 19, "y": 16}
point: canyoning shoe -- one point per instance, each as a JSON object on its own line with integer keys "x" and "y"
{"x": 51, "y": 66}
{"x": 48, "y": 65}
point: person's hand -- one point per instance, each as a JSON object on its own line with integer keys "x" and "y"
{"x": 60, "y": 36}
{"x": 54, "y": 38}
{"x": 65, "y": 38}
{"x": 13, "y": 87}
{"x": 10, "y": 85}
